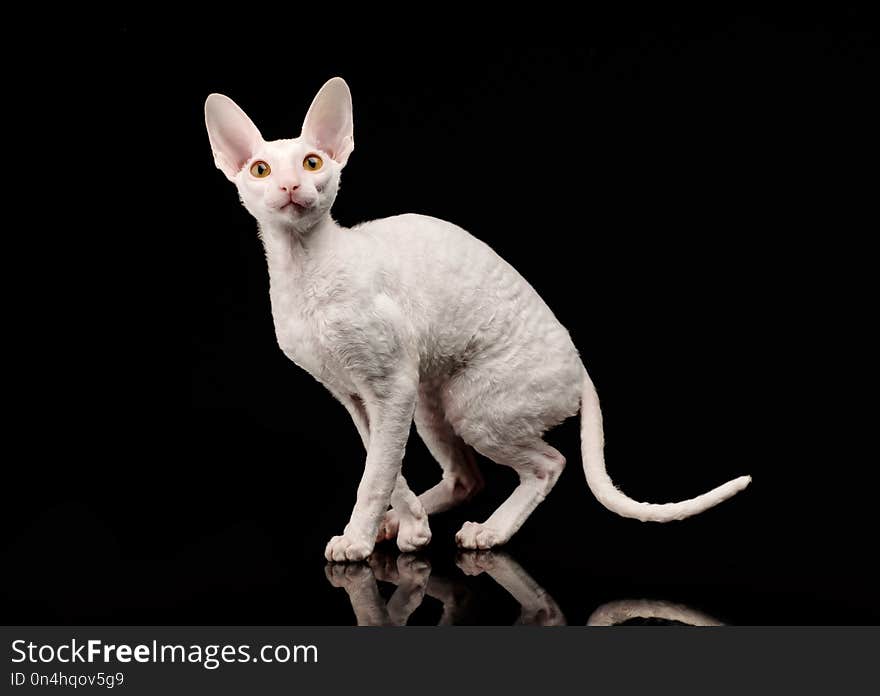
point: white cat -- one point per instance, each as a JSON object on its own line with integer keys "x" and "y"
{"x": 411, "y": 317}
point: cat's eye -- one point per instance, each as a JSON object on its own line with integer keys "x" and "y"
{"x": 313, "y": 163}
{"x": 260, "y": 169}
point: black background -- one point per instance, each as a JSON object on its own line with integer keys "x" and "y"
{"x": 678, "y": 189}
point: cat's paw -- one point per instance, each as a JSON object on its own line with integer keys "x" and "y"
{"x": 474, "y": 535}
{"x": 414, "y": 533}
{"x": 411, "y": 532}
{"x": 344, "y": 548}
{"x": 389, "y": 526}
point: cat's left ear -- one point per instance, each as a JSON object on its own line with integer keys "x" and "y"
{"x": 328, "y": 123}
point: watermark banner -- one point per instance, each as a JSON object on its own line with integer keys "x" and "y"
{"x": 276, "y": 660}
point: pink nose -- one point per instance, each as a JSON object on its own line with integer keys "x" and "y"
{"x": 289, "y": 187}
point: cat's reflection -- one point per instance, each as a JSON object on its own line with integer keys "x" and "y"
{"x": 615, "y": 613}
{"x": 413, "y": 579}
{"x": 538, "y": 608}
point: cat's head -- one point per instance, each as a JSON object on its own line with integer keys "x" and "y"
{"x": 289, "y": 183}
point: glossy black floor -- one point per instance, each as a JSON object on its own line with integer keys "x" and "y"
{"x": 214, "y": 535}
{"x": 232, "y": 579}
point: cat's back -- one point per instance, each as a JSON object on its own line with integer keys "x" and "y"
{"x": 440, "y": 262}
{"x": 459, "y": 292}
{"x": 430, "y": 255}
{"x": 413, "y": 234}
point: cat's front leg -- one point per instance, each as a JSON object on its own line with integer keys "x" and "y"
{"x": 407, "y": 521}
{"x": 389, "y": 405}
{"x": 358, "y": 412}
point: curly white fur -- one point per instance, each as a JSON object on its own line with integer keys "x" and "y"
{"x": 411, "y": 317}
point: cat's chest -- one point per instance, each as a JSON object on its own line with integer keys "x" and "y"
{"x": 302, "y": 336}
{"x": 297, "y": 338}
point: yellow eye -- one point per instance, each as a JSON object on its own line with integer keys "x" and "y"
{"x": 260, "y": 169}
{"x": 313, "y": 163}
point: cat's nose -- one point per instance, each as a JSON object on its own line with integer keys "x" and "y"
{"x": 289, "y": 187}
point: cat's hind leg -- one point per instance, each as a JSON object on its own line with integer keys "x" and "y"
{"x": 538, "y": 466}
{"x": 461, "y": 476}
{"x": 502, "y": 405}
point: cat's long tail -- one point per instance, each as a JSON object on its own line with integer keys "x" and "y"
{"x": 592, "y": 444}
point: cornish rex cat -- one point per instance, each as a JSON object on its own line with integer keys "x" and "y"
{"x": 411, "y": 317}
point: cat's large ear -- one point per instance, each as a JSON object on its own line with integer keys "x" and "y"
{"x": 233, "y": 136}
{"x": 329, "y": 122}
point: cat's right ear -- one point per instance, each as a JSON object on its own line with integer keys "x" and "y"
{"x": 234, "y": 137}
{"x": 328, "y": 123}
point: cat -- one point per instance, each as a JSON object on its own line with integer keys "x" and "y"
{"x": 412, "y": 318}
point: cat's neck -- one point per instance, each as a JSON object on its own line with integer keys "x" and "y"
{"x": 288, "y": 250}
{"x": 288, "y": 256}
